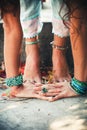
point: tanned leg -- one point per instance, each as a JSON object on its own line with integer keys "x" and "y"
{"x": 60, "y": 66}
{"x": 78, "y": 35}
{"x": 32, "y": 67}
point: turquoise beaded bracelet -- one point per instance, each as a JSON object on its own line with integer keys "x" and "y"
{"x": 32, "y": 42}
{"x": 15, "y": 81}
{"x": 78, "y": 86}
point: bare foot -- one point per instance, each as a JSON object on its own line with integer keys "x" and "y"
{"x": 60, "y": 67}
{"x": 57, "y": 91}
{"x": 32, "y": 68}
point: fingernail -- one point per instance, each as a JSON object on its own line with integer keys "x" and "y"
{"x": 50, "y": 99}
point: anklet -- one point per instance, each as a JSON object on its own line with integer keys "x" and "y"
{"x": 15, "y": 81}
{"x": 58, "y": 47}
{"x": 78, "y": 86}
{"x": 33, "y": 42}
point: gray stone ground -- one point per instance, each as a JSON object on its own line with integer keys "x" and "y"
{"x": 34, "y": 114}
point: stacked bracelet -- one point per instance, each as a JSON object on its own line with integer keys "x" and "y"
{"x": 15, "y": 81}
{"x": 58, "y": 47}
{"x": 78, "y": 86}
{"x": 32, "y": 42}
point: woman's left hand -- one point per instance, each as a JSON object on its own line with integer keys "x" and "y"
{"x": 55, "y": 91}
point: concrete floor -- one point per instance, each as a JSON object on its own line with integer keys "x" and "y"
{"x": 34, "y": 114}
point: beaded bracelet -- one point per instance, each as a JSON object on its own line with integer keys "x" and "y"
{"x": 15, "y": 81}
{"x": 32, "y": 42}
{"x": 78, "y": 86}
{"x": 58, "y": 47}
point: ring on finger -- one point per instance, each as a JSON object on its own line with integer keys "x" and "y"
{"x": 44, "y": 90}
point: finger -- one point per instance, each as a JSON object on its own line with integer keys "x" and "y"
{"x": 48, "y": 86}
{"x": 37, "y": 88}
{"x": 38, "y": 84}
{"x": 59, "y": 96}
{"x": 42, "y": 97}
{"x": 37, "y": 92}
{"x": 50, "y": 94}
{"x": 54, "y": 90}
{"x": 56, "y": 85}
{"x": 47, "y": 94}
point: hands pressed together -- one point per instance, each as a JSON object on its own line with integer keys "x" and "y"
{"x": 54, "y": 91}
{"x": 50, "y": 92}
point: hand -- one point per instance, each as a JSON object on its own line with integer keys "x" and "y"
{"x": 56, "y": 90}
{"x": 26, "y": 91}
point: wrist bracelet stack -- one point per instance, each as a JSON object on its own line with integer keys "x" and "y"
{"x": 78, "y": 86}
{"x": 15, "y": 81}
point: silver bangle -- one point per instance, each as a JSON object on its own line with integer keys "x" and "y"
{"x": 58, "y": 47}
